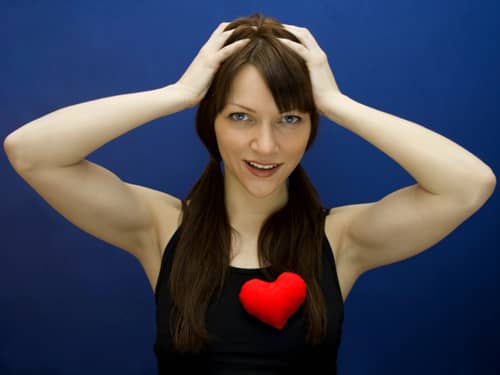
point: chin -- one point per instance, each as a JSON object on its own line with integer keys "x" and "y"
{"x": 263, "y": 190}
{"x": 260, "y": 193}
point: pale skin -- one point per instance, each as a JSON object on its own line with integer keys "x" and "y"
{"x": 451, "y": 185}
{"x": 250, "y": 127}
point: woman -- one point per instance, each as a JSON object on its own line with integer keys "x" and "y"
{"x": 253, "y": 214}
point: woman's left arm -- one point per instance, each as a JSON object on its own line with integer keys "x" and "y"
{"x": 452, "y": 183}
{"x": 439, "y": 165}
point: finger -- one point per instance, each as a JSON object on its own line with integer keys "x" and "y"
{"x": 295, "y": 30}
{"x": 218, "y": 30}
{"x": 304, "y": 35}
{"x": 218, "y": 43}
{"x": 220, "y": 27}
{"x": 290, "y": 26}
{"x": 228, "y": 50}
{"x": 297, "y": 47}
{"x": 218, "y": 38}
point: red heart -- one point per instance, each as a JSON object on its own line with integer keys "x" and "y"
{"x": 273, "y": 302}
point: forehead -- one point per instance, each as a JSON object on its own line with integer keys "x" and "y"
{"x": 249, "y": 89}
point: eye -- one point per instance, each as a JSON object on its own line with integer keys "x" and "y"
{"x": 287, "y": 119}
{"x": 291, "y": 119}
{"x": 238, "y": 116}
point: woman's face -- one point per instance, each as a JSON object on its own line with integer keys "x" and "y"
{"x": 251, "y": 129}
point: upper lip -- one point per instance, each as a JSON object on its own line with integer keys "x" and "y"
{"x": 262, "y": 162}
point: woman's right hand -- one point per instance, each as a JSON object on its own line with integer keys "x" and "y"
{"x": 195, "y": 81}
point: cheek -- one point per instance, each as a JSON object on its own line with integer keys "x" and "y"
{"x": 299, "y": 144}
{"x": 226, "y": 143}
{"x": 220, "y": 136}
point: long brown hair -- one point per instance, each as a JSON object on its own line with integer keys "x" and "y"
{"x": 291, "y": 237}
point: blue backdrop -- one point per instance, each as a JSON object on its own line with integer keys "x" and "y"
{"x": 72, "y": 304}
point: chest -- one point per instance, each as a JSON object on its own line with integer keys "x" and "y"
{"x": 240, "y": 339}
{"x": 244, "y": 252}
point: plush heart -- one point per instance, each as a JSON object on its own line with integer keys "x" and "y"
{"x": 273, "y": 302}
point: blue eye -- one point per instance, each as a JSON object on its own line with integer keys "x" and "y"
{"x": 291, "y": 119}
{"x": 287, "y": 119}
{"x": 238, "y": 116}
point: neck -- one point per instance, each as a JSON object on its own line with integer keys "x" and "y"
{"x": 246, "y": 212}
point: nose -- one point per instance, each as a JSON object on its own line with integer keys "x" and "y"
{"x": 264, "y": 140}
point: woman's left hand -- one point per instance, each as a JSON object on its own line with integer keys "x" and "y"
{"x": 322, "y": 79}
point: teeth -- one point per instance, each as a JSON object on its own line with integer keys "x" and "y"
{"x": 262, "y": 166}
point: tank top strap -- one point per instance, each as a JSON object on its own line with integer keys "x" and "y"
{"x": 166, "y": 261}
{"x": 330, "y": 267}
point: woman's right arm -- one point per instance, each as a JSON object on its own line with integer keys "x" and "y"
{"x": 66, "y": 136}
{"x": 49, "y": 154}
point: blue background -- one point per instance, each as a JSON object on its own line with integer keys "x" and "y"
{"x": 72, "y": 304}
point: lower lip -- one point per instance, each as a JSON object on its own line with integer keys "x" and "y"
{"x": 261, "y": 172}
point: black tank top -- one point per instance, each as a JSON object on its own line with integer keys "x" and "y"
{"x": 246, "y": 345}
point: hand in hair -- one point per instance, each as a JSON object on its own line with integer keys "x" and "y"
{"x": 322, "y": 79}
{"x": 197, "y": 78}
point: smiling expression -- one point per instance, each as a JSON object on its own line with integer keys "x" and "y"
{"x": 250, "y": 128}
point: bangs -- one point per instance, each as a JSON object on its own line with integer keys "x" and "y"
{"x": 285, "y": 74}
{"x": 284, "y": 71}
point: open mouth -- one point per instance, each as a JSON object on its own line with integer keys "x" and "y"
{"x": 262, "y": 170}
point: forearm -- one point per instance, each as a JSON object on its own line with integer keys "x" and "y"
{"x": 438, "y": 164}
{"x": 68, "y": 135}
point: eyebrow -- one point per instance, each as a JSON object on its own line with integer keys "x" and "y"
{"x": 253, "y": 110}
{"x": 242, "y": 106}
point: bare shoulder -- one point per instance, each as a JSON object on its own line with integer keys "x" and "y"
{"x": 336, "y": 224}
{"x": 166, "y": 210}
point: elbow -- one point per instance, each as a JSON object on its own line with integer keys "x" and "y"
{"x": 8, "y": 147}
{"x": 476, "y": 190}
{"x": 8, "y": 143}
{"x": 491, "y": 183}
{"x": 484, "y": 190}
{"x": 12, "y": 152}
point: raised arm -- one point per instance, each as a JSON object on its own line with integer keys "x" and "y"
{"x": 68, "y": 135}
{"x": 452, "y": 183}
{"x": 49, "y": 154}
